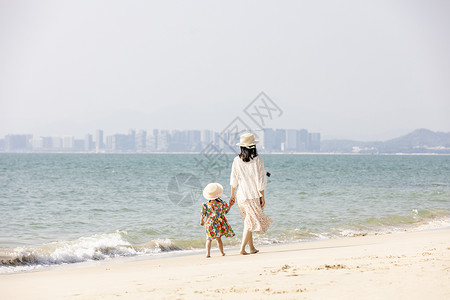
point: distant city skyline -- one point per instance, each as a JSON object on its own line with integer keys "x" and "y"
{"x": 160, "y": 140}
{"x": 209, "y": 142}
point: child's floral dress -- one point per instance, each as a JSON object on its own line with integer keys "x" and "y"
{"x": 216, "y": 225}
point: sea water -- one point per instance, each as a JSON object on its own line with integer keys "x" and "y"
{"x": 67, "y": 208}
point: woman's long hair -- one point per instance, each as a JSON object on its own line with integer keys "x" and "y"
{"x": 248, "y": 154}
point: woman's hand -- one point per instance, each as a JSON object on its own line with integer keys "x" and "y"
{"x": 262, "y": 201}
{"x": 202, "y": 222}
{"x": 232, "y": 200}
{"x": 233, "y": 195}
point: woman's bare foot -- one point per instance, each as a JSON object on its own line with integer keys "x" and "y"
{"x": 208, "y": 256}
{"x": 244, "y": 253}
{"x": 223, "y": 253}
{"x": 254, "y": 251}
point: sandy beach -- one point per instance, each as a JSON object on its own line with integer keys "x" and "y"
{"x": 413, "y": 265}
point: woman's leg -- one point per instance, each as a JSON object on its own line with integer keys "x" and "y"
{"x": 220, "y": 245}
{"x": 208, "y": 248}
{"x": 253, "y": 250}
{"x": 245, "y": 237}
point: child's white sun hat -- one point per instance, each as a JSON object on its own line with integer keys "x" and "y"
{"x": 213, "y": 191}
{"x": 247, "y": 140}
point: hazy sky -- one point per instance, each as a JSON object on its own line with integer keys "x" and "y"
{"x": 349, "y": 69}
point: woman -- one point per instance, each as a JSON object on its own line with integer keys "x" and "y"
{"x": 248, "y": 178}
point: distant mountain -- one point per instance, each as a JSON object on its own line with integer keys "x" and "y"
{"x": 418, "y": 141}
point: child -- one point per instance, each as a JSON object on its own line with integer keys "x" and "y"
{"x": 214, "y": 210}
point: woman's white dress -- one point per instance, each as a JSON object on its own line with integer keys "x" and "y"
{"x": 250, "y": 178}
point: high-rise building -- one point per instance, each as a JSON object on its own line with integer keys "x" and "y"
{"x": 68, "y": 143}
{"x": 151, "y": 143}
{"x": 78, "y": 145}
{"x": 224, "y": 142}
{"x": 194, "y": 143}
{"x": 141, "y": 141}
{"x": 267, "y": 140}
{"x": 280, "y": 140}
{"x": 109, "y": 143}
{"x": 162, "y": 141}
{"x": 177, "y": 141}
{"x": 155, "y": 135}
{"x": 314, "y": 144}
{"x": 132, "y": 134}
{"x": 291, "y": 140}
{"x": 260, "y": 137}
{"x": 18, "y": 142}
{"x": 57, "y": 143}
{"x": 207, "y": 137}
{"x": 88, "y": 143}
{"x": 216, "y": 139}
{"x": 47, "y": 142}
{"x": 37, "y": 143}
{"x": 122, "y": 143}
{"x": 302, "y": 140}
{"x": 99, "y": 145}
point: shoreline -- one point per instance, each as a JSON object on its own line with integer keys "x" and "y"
{"x": 413, "y": 265}
{"x": 262, "y": 153}
{"x": 195, "y": 251}
{"x": 26, "y": 268}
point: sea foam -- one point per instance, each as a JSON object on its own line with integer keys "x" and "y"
{"x": 95, "y": 247}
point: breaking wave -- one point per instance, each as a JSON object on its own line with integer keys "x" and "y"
{"x": 92, "y": 248}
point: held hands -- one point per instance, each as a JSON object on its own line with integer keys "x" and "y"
{"x": 202, "y": 222}
{"x": 232, "y": 200}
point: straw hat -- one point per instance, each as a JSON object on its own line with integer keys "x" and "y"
{"x": 247, "y": 140}
{"x": 213, "y": 191}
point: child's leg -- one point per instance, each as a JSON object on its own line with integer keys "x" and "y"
{"x": 208, "y": 248}
{"x": 220, "y": 245}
